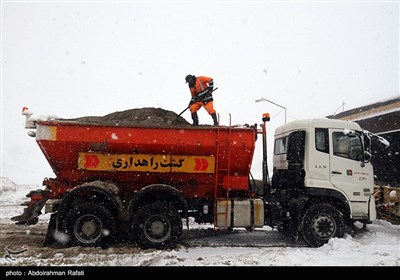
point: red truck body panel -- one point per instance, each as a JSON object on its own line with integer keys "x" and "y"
{"x": 192, "y": 159}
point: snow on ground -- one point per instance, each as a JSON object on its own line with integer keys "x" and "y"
{"x": 200, "y": 246}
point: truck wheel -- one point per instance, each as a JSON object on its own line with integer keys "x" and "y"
{"x": 320, "y": 223}
{"x": 89, "y": 225}
{"x": 157, "y": 225}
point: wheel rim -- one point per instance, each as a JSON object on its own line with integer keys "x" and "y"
{"x": 323, "y": 226}
{"x": 88, "y": 229}
{"x": 157, "y": 228}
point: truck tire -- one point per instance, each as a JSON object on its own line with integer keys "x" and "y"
{"x": 89, "y": 225}
{"x": 320, "y": 223}
{"x": 157, "y": 225}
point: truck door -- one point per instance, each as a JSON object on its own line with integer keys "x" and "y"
{"x": 348, "y": 172}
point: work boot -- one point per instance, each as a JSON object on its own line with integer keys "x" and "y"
{"x": 195, "y": 119}
{"x": 214, "y": 117}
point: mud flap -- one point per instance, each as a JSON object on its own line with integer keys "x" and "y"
{"x": 51, "y": 231}
{"x": 33, "y": 209}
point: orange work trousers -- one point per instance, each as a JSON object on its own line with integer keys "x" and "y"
{"x": 209, "y": 107}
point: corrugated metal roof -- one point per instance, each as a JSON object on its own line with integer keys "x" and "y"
{"x": 380, "y": 107}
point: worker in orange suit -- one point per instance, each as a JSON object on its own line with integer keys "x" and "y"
{"x": 201, "y": 89}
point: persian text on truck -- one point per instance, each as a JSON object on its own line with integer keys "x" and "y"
{"x": 141, "y": 183}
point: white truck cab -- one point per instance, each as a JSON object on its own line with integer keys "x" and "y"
{"x": 323, "y": 162}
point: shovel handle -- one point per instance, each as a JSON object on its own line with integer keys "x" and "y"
{"x": 197, "y": 101}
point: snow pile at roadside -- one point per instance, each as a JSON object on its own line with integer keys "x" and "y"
{"x": 379, "y": 246}
{"x": 13, "y": 194}
{"x": 11, "y": 197}
{"x": 7, "y": 186}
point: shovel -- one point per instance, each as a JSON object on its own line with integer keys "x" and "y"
{"x": 191, "y": 104}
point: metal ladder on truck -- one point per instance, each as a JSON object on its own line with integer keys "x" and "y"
{"x": 221, "y": 185}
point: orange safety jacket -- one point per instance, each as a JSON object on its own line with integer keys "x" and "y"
{"x": 201, "y": 89}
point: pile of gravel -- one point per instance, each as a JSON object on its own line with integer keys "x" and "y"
{"x": 139, "y": 116}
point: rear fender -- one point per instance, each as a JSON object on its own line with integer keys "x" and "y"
{"x": 104, "y": 190}
{"x": 159, "y": 192}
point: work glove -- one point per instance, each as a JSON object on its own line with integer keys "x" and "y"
{"x": 192, "y": 101}
{"x": 210, "y": 89}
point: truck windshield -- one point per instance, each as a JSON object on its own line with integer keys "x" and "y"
{"x": 349, "y": 147}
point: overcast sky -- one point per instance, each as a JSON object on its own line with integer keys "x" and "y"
{"x": 94, "y": 58}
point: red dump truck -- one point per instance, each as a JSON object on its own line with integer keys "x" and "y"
{"x": 131, "y": 182}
